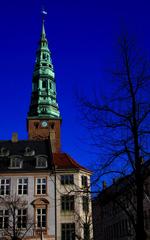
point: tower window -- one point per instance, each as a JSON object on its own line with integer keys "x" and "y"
{"x": 44, "y": 110}
{"x": 50, "y": 85}
{"x": 44, "y": 56}
{"x": 44, "y": 85}
{"x": 36, "y": 124}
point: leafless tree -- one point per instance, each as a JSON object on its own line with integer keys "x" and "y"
{"x": 120, "y": 122}
{"x": 16, "y": 221}
{"x": 79, "y": 207}
{"x": 84, "y": 220}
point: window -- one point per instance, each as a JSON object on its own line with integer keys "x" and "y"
{"x": 41, "y": 217}
{"x": 44, "y": 64}
{"x": 28, "y": 150}
{"x": 4, "y": 217}
{"x": 16, "y": 162}
{"x": 84, "y": 181}
{"x": 67, "y": 231}
{"x": 4, "y": 151}
{"x": 4, "y": 186}
{"x": 22, "y": 218}
{"x": 44, "y": 84}
{"x": 36, "y": 124}
{"x": 44, "y": 56}
{"x": 41, "y": 162}
{"x": 67, "y": 203}
{"x": 22, "y": 186}
{"x": 41, "y": 186}
{"x": 67, "y": 179}
{"x": 85, "y": 203}
{"x": 86, "y": 231}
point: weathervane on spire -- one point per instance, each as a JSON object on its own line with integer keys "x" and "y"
{"x": 43, "y": 14}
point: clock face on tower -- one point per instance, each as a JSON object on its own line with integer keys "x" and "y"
{"x": 44, "y": 124}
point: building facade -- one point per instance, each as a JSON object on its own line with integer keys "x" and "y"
{"x": 114, "y": 209}
{"x": 44, "y": 193}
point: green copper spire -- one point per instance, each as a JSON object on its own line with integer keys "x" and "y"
{"x": 43, "y": 99}
{"x": 43, "y": 30}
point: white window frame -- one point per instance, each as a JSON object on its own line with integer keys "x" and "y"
{"x": 22, "y": 182}
{"x": 40, "y": 215}
{"x": 16, "y": 162}
{"x": 41, "y": 158}
{"x": 6, "y": 186}
{"x": 41, "y": 181}
{"x": 21, "y": 216}
{"x": 3, "y": 217}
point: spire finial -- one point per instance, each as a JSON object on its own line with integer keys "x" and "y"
{"x": 43, "y": 20}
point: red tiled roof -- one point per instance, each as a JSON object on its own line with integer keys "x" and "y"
{"x": 64, "y": 161}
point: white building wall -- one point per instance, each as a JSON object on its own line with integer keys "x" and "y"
{"x": 62, "y": 216}
{"x": 78, "y": 214}
{"x": 31, "y": 196}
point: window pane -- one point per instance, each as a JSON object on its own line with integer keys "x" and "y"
{"x": 67, "y": 179}
{"x": 4, "y": 186}
{"x": 68, "y": 231}
{"x": 41, "y": 186}
{"x": 41, "y": 217}
{"x": 67, "y": 203}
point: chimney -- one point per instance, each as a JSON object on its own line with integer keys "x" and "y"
{"x": 14, "y": 137}
{"x": 104, "y": 185}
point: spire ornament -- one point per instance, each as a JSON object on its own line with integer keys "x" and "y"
{"x": 44, "y": 13}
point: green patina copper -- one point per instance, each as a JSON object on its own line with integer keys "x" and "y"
{"x": 43, "y": 99}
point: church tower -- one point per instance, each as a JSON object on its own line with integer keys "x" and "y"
{"x": 44, "y": 119}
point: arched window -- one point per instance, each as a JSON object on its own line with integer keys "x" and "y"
{"x": 41, "y": 162}
{"x": 16, "y": 162}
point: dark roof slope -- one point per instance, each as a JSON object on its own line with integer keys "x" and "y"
{"x": 41, "y": 147}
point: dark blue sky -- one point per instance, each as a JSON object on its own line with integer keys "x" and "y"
{"x": 82, "y": 36}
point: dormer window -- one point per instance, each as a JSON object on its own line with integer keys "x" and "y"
{"x": 4, "y": 152}
{"x": 15, "y": 162}
{"x": 29, "y": 152}
{"x": 41, "y": 162}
